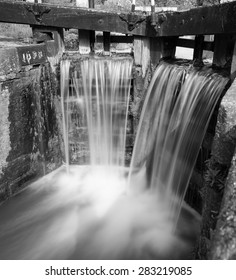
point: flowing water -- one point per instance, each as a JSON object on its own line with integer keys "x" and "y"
{"x": 174, "y": 119}
{"x": 105, "y": 96}
{"x": 105, "y": 210}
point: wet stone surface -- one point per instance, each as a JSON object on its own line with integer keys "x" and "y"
{"x": 30, "y": 135}
{"x": 224, "y": 240}
{"x": 217, "y": 240}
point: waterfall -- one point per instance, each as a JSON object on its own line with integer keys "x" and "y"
{"x": 175, "y": 115}
{"x": 105, "y": 94}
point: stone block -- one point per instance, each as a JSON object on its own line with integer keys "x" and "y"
{"x": 30, "y": 136}
{"x": 215, "y": 178}
{"x": 9, "y": 62}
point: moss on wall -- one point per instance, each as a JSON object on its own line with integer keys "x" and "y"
{"x": 30, "y": 136}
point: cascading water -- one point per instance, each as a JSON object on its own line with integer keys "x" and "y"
{"x": 105, "y": 100}
{"x": 95, "y": 212}
{"x": 174, "y": 119}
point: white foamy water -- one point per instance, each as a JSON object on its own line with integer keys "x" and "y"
{"x": 88, "y": 214}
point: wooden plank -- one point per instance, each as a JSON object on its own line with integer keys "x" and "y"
{"x": 116, "y": 39}
{"x": 162, "y": 48}
{"x": 149, "y": 51}
{"x": 204, "y": 20}
{"x": 142, "y": 53}
{"x": 181, "y": 42}
{"x": 223, "y": 50}
{"x": 92, "y": 32}
{"x": 188, "y": 43}
{"x": 198, "y": 49}
{"x": 84, "y": 35}
{"x": 233, "y": 65}
{"x": 106, "y": 41}
{"x": 69, "y": 17}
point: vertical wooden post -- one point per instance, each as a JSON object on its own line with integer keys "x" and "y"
{"x": 147, "y": 54}
{"x": 168, "y": 47}
{"x": 106, "y": 42}
{"x": 92, "y": 33}
{"x": 133, "y": 6}
{"x": 86, "y": 37}
{"x": 223, "y": 50}
{"x": 142, "y": 53}
{"x": 198, "y": 49}
{"x": 149, "y": 51}
{"x": 160, "y": 48}
{"x": 233, "y": 65}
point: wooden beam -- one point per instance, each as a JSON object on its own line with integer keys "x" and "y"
{"x": 116, "y": 39}
{"x": 72, "y": 17}
{"x": 215, "y": 19}
{"x": 203, "y": 20}
{"x": 142, "y": 53}
{"x": 188, "y": 43}
{"x": 223, "y": 50}
{"x": 84, "y": 35}
{"x": 181, "y": 42}
{"x": 106, "y": 41}
{"x": 233, "y": 65}
{"x": 198, "y": 49}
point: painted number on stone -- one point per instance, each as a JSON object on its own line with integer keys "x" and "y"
{"x": 31, "y": 55}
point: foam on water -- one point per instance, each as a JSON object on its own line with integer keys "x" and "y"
{"x": 81, "y": 215}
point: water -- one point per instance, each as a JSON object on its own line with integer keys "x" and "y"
{"x": 88, "y": 215}
{"x": 105, "y": 210}
{"x": 99, "y": 92}
{"x": 106, "y": 89}
{"x": 174, "y": 119}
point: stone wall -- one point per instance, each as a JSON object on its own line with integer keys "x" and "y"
{"x": 30, "y": 136}
{"x": 217, "y": 240}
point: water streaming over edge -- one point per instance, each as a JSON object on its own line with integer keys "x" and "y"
{"x": 173, "y": 122}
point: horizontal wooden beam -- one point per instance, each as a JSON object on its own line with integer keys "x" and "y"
{"x": 181, "y": 42}
{"x": 116, "y": 39}
{"x": 73, "y": 17}
{"x": 188, "y": 43}
{"x": 199, "y": 21}
{"x": 215, "y": 19}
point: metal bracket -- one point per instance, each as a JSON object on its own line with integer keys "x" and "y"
{"x": 38, "y": 11}
{"x": 132, "y": 20}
